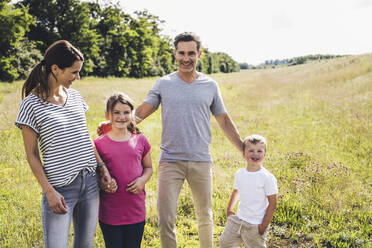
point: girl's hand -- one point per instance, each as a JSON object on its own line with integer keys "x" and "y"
{"x": 136, "y": 186}
{"x": 56, "y": 202}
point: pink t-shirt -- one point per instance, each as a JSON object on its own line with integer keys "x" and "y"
{"x": 124, "y": 162}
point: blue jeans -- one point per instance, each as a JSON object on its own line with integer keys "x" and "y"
{"x": 82, "y": 199}
{"x": 122, "y": 236}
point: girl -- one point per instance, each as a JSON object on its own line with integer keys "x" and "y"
{"x": 52, "y": 117}
{"x": 127, "y": 155}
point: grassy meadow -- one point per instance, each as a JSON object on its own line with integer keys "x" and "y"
{"x": 317, "y": 118}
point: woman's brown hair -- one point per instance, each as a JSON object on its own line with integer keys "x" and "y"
{"x": 60, "y": 53}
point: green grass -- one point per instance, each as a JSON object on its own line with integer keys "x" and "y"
{"x": 317, "y": 118}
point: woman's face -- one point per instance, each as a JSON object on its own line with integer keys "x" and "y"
{"x": 66, "y": 76}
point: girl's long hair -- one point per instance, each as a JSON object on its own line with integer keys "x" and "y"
{"x": 124, "y": 99}
{"x": 60, "y": 53}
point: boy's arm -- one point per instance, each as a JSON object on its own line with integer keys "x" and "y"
{"x": 268, "y": 215}
{"x": 233, "y": 200}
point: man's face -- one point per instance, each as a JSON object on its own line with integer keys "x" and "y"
{"x": 187, "y": 56}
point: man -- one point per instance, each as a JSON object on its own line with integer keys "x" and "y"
{"x": 187, "y": 98}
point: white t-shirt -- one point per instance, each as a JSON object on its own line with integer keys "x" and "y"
{"x": 253, "y": 188}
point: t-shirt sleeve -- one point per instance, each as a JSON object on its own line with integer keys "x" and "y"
{"x": 146, "y": 146}
{"x": 153, "y": 97}
{"x": 217, "y": 106}
{"x": 26, "y": 116}
{"x": 271, "y": 187}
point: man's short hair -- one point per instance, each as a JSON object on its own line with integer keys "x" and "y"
{"x": 254, "y": 139}
{"x": 187, "y": 36}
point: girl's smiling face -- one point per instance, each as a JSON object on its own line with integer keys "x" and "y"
{"x": 120, "y": 116}
{"x": 254, "y": 153}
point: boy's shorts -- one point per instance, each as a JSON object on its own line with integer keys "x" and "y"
{"x": 238, "y": 231}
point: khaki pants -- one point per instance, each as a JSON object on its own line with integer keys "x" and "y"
{"x": 238, "y": 231}
{"x": 171, "y": 178}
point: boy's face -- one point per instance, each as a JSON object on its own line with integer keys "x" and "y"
{"x": 254, "y": 153}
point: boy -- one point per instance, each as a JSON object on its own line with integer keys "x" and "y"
{"x": 257, "y": 188}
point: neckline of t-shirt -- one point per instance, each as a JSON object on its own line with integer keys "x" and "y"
{"x": 115, "y": 141}
{"x": 252, "y": 172}
{"x": 195, "y": 82}
{"x": 53, "y": 104}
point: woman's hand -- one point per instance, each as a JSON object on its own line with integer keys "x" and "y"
{"x": 136, "y": 186}
{"x": 56, "y": 202}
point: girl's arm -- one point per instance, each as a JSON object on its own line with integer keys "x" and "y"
{"x": 138, "y": 184}
{"x": 56, "y": 201}
{"x": 268, "y": 215}
{"x": 233, "y": 200}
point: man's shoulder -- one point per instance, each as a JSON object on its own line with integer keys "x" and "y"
{"x": 206, "y": 79}
{"x": 168, "y": 78}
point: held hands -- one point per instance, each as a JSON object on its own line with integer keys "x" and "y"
{"x": 56, "y": 202}
{"x": 106, "y": 182}
{"x": 136, "y": 186}
{"x": 103, "y": 128}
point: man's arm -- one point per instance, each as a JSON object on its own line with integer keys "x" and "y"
{"x": 143, "y": 111}
{"x": 230, "y": 130}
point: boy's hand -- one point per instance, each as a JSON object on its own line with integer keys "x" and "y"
{"x": 261, "y": 229}
{"x": 103, "y": 128}
{"x": 136, "y": 186}
{"x": 230, "y": 212}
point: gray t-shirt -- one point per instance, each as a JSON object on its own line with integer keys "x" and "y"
{"x": 185, "y": 110}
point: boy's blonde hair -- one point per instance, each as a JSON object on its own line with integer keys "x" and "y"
{"x": 254, "y": 139}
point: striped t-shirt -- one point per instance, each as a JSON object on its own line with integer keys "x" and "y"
{"x": 63, "y": 136}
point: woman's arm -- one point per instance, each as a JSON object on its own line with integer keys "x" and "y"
{"x": 138, "y": 184}
{"x": 56, "y": 201}
{"x": 233, "y": 200}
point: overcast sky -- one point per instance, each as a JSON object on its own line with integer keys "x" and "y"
{"x": 253, "y": 31}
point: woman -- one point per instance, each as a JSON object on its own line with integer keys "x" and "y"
{"x": 52, "y": 117}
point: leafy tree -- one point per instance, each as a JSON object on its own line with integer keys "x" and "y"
{"x": 14, "y": 24}
{"x": 65, "y": 19}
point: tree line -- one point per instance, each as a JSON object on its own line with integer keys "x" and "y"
{"x": 113, "y": 42}
{"x": 288, "y": 62}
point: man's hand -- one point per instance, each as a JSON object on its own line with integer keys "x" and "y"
{"x": 56, "y": 202}
{"x": 136, "y": 186}
{"x": 103, "y": 128}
